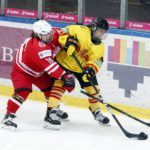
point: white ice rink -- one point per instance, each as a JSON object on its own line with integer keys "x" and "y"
{"x": 81, "y": 132}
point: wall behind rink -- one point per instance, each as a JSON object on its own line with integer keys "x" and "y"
{"x": 10, "y": 41}
{"x": 124, "y": 77}
{"x": 127, "y": 70}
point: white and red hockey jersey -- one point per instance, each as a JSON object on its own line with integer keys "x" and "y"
{"x": 35, "y": 57}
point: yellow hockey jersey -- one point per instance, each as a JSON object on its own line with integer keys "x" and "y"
{"x": 87, "y": 53}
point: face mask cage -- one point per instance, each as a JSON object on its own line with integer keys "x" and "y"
{"x": 98, "y": 35}
{"x": 46, "y": 38}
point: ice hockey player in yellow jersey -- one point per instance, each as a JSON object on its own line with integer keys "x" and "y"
{"x": 85, "y": 42}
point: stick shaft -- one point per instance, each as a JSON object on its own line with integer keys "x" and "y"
{"x": 126, "y": 133}
{"x": 117, "y": 109}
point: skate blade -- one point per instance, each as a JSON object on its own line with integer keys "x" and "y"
{"x": 51, "y": 126}
{"x": 9, "y": 128}
{"x": 107, "y": 125}
{"x": 66, "y": 120}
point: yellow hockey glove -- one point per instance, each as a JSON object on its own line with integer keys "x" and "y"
{"x": 71, "y": 45}
{"x": 70, "y": 50}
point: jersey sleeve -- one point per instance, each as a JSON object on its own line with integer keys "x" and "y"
{"x": 62, "y": 39}
{"x": 52, "y": 67}
{"x": 96, "y": 57}
{"x": 65, "y": 32}
{"x": 47, "y": 63}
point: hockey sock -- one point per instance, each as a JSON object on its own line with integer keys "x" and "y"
{"x": 16, "y": 101}
{"x": 56, "y": 93}
{"x": 93, "y": 103}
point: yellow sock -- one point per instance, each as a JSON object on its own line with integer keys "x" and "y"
{"x": 93, "y": 103}
{"x": 53, "y": 102}
{"x": 94, "y": 106}
{"x": 56, "y": 93}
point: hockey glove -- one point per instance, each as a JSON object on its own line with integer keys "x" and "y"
{"x": 89, "y": 72}
{"x": 71, "y": 45}
{"x": 69, "y": 82}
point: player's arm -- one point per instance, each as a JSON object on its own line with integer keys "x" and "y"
{"x": 53, "y": 69}
{"x": 94, "y": 63}
{"x": 68, "y": 41}
{"x": 49, "y": 65}
{"x": 95, "y": 60}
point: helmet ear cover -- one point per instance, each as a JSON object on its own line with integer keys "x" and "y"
{"x": 93, "y": 27}
{"x": 100, "y": 23}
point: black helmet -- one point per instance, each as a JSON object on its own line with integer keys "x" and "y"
{"x": 98, "y": 23}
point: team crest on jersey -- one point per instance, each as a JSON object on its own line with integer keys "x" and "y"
{"x": 45, "y": 53}
{"x": 82, "y": 53}
{"x": 41, "y": 44}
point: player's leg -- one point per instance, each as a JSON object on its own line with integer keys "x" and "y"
{"x": 52, "y": 119}
{"x": 94, "y": 105}
{"x": 22, "y": 87}
{"x": 53, "y": 92}
{"x": 45, "y": 83}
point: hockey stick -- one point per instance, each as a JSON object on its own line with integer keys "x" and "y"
{"x": 121, "y": 111}
{"x": 140, "y": 136}
{"x": 117, "y": 109}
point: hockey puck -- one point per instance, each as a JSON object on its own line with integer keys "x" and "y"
{"x": 142, "y": 136}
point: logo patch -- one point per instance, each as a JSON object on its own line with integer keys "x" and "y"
{"x": 45, "y": 53}
{"x": 41, "y": 44}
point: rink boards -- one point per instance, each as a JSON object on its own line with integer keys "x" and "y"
{"x": 124, "y": 78}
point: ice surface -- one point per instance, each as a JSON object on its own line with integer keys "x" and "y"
{"x": 81, "y": 132}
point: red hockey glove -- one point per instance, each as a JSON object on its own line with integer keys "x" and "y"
{"x": 69, "y": 82}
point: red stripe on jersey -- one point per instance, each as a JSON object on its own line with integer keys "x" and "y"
{"x": 53, "y": 67}
{"x": 58, "y": 73}
{"x": 54, "y": 70}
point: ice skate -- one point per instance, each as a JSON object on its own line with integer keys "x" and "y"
{"x": 62, "y": 115}
{"x": 7, "y": 122}
{"x": 51, "y": 120}
{"x": 98, "y": 116}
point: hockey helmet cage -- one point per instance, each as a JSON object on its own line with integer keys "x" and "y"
{"x": 99, "y": 23}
